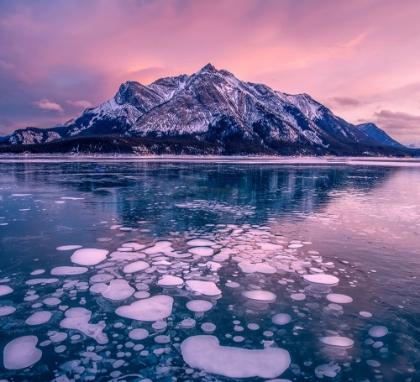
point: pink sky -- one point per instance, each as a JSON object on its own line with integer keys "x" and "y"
{"x": 361, "y": 58}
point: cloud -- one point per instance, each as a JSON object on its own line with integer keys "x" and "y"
{"x": 6, "y": 65}
{"x": 81, "y": 104}
{"x": 346, "y": 101}
{"x": 404, "y": 125}
{"x": 45, "y": 104}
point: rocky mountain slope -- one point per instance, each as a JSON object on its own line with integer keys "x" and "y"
{"x": 378, "y": 134}
{"x": 211, "y": 108}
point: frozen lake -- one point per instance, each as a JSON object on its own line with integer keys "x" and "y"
{"x": 174, "y": 270}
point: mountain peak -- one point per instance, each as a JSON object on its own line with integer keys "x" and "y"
{"x": 208, "y": 68}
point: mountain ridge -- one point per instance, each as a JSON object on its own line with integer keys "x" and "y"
{"x": 213, "y": 106}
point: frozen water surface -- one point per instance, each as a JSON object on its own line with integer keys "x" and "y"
{"x": 241, "y": 270}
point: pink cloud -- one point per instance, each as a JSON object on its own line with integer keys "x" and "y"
{"x": 81, "y": 104}
{"x": 45, "y": 104}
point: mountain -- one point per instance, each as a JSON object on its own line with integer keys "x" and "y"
{"x": 210, "y": 111}
{"x": 378, "y": 134}
{"x": 414, "y": 146}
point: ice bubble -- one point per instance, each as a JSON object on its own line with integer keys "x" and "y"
{"x": 201, "y": 251}
{"x": 170, "y": 281}
{"x": 118, "y": 290}
{"x": 58, "y": 337}
{"x": 187, "y": 323}
{"x": 52, "y": 301}
{"x": 205, "y": 353}
{"x": 206, "y": 288}
{"x": 295, "y": 246}
{"x": 38, "y": 318}
{"x": 101, "y": 278}
{"x": 297, "y": 296}
{"x": 99, "y": 288}
{"x": 142, "y": 294}
{"x": 41, "y": 281}
{"x": 78, "y": 319}
{"x": 6, "y": 310}
{"x": 38, "y": 272}
{"x": 365, "y": 314}
{"x": 281, "y": 319}
{"x": 259, "y": 295}
{"x": 137, "y": 266}
{"x": 337, "y": 341}
{"x": 208, "y": 327}
{"x": 330, "y": 370}
{"x": 232, "y": 284}
{"x": 373, "y": 363}
{"x": 134, "y": 246}
{"x": 138, "y": 334}
{"x": 4, "y": 290}
{"x": 378, "y": 331}
{"x": 21, "y": 353}
{"x": 248, "y": 267}
{"x": 162, "y": 339}
{"x": 339, "y": 298}
{"x": 88, "y": 256}
{"x": 159, "y": 325}
{"x": 150, "y": 309}
{"x": 199, "y": 306}
{"x": 321, "y": 279}
{"x": 68, "y": 271}
{"x": 200, "y": 243}
{"x": 270, "y": 246}
{"x": 68, "y": 247}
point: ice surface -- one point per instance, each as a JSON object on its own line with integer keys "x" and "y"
{"x": 5, "y": 290}
{"x": 378, "y": 331}
{"x": 199, "y": 306}
{"x": 337, "y": 341}
{"x": 339, "y": 298}
{"x": 150, "y": 309}
{"x": 118, "y": 290}
{"x": 206, "y": 288}
{"x": 248, "y": 267}
{"x": 204, "y": 352}
{"x": 68, "y": 271}
{"x": 322, "y": 279}
{"x": 21, "y": 353}
{"x": 170, "y": 281}
{"x": 259, "y": 295}
{"x": 200, "y": 243}
{"x": 38, "y": 318}
{"x": 89, "y": 256}
{"x": 137, "y": 266}
{"x": 281, "y": 319}
{"x": 78, "y": 319}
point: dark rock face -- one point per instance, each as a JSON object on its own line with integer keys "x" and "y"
{"x": 213, "y": 106}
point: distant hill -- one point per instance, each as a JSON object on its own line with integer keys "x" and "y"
{"x": 210, "y": 111}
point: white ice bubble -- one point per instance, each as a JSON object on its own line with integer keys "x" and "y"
{"x": 138, "y": 334}
{"x": 150, "y": 309}
{"x": 378, "y": 331}
{"x": 52, "y": 301}
{"x": 321, "y": 279}
{"x": 199, "y": 306}
{"x": 88, "y": 256}
{"x": 68, "y": 271}
{"x": 208, "y": 327}
{"x": 170, "y": 281}
{"x": 253, "y": 326}
{"x": 21, "y": 353}
{"x": 270, "y": 246}
{"x": 187, "y": 323}
{"x": 373, "y": 363}
{"x": 365, "y": 314}
{"x": 41, "y": 281}
{"x": 5, "y": 290}
{"x": 248, "y": 267}
{"x": 38, "y": 272}
{"x": 101, "y": 278}
{"x": 39, "y": 318}
{"x": 205, "y": 353}
{"x": 6, "y": 310}
{"x": 118, "y": 290}
{"x": 137, "y": 266}
{"x": 78, "y": 319}
{"x": 206, "y": 288}
{"x": 337, "y": 341}
{"x": 232, "y": 284}
{"x": 298, "y": 296}
{"x": 259, "y": 295}
{"x": 281, "y": 319}
{"x": 295, "y": 246}
{"x": 200, "y": 243}
{"x": 68, "y": 247}
{"x": 201, "y": 251}
{"x": 339, "y": 298}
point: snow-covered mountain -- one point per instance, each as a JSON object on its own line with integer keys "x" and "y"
{"x": 378, "y": 134}
{"x": 414, "y": 146}
{"x": 211, "y": 106}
